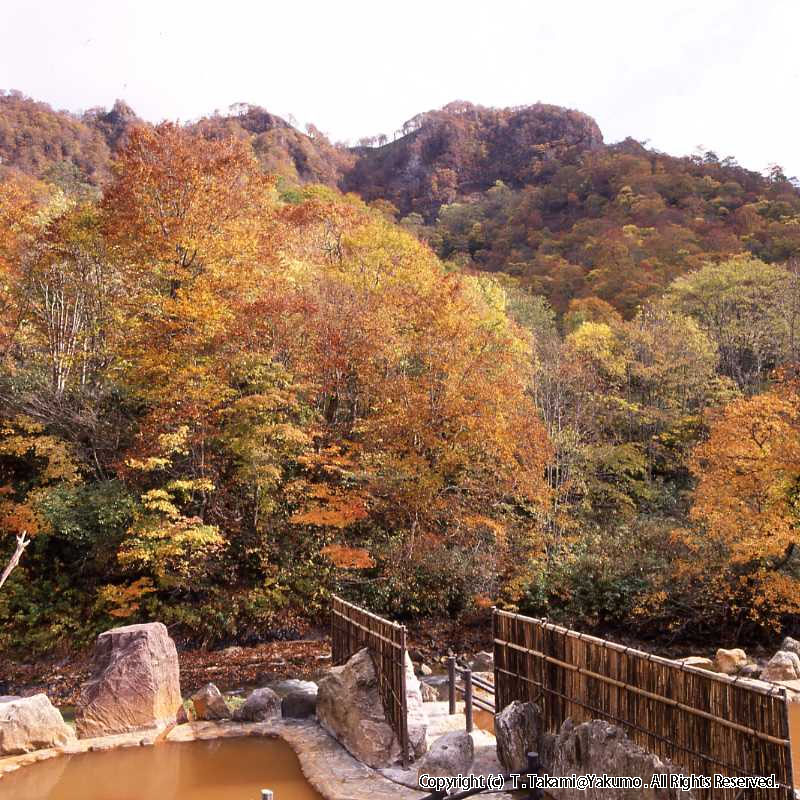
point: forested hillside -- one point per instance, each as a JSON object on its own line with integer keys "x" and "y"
{"x": 524, "y": 367}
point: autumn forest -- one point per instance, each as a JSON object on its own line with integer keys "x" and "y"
{"x": 487, "y": 359}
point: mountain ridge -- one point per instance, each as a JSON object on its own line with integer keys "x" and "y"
{"x": 531, "y": 191}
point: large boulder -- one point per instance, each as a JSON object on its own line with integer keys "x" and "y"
{"x": 261, "y": 705}
{"x": 134, "y": 683}
{"x": 730, "y": 662}
{"x": 600, "y": 748}
{"x": 32, "y": 723}
{"x": 450, "y": 754}
{"x": 517, "y": 728}
{"x": 350, "y": 708}
{"x": 209, "y": 704}
{"x": 783, "y": 666}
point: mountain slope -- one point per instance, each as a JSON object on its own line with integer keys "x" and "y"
{"x": 37, "y": 140}
{"x": 464, "y": 148}
{"x": 531, "y": 191}
{"x": 48, "y": 144}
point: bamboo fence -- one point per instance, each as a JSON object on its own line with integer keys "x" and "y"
{"x": 705, "y": 723}
{"x": 353, "y": 628}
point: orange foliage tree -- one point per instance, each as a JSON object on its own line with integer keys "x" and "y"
{"x": 747, "y": 502}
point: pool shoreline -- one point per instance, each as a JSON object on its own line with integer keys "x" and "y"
{"x": 325, "y": 764}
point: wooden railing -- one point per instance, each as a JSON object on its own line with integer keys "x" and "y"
{"x": 705, "y": 723}
{"x": 353, "y": 628}
{"x": 469, "y": 682}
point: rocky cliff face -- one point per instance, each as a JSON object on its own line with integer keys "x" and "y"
{"x": 464, "y": 148}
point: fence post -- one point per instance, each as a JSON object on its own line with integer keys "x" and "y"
{"x": 788, "y": 725}
{"x": 534, "y": 793}
{"x": 451, "y": 689}
{"x": 468, "y": 698}
{"x": 495, "y": 661}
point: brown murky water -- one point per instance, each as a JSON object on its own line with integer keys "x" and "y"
{"x": 225, "y": 769}
{"x": 483, "y": 719}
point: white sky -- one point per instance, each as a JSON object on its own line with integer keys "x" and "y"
{"x": 722, "y": 74}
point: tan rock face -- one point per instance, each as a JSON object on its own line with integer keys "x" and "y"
{"x": 730, "y": 661}
{"x": 350, "y": 708}
{"x": 134, "y": 683}
{"x": 32, "y": 723}
{"x": 698, "y": 661}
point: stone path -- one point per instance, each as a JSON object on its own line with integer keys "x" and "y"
{"x": 440, "y": 721}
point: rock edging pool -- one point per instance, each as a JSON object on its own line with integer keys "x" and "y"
{"x": 326, "y": 765}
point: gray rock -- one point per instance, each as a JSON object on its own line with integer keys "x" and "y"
{"x": 450, "y": 754}
{"x": 599, "y": 748}
{"x": 283, "y": 688}
{"x": 791, "y": 645}
{"x": 483, "y": 662}
{"x": 31, "y": 723}
{"x": 261, "y": 705}
{"x": 209, "y": 704}
{"x": 750, "y": 671}
{"x": 424, "y": 670}
{"x": 350, "y": 708}
{"x": 300, "y": 703}
{"x": 517, "y": 729}
{"x": 134, "y": 683}
{"x": 783, "y": 666}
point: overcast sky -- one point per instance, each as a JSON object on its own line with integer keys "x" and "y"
{"x": 724, "y": 75}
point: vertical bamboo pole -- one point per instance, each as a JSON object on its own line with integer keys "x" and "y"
{"x": 468, "y": 698}
{"x": 451, "y": 680}
{"x": 495, "y": 661}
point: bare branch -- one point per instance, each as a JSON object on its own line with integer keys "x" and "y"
{"x": 22, "y": 542}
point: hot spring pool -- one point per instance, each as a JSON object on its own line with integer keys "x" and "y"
{"x": 220, "y": 769}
